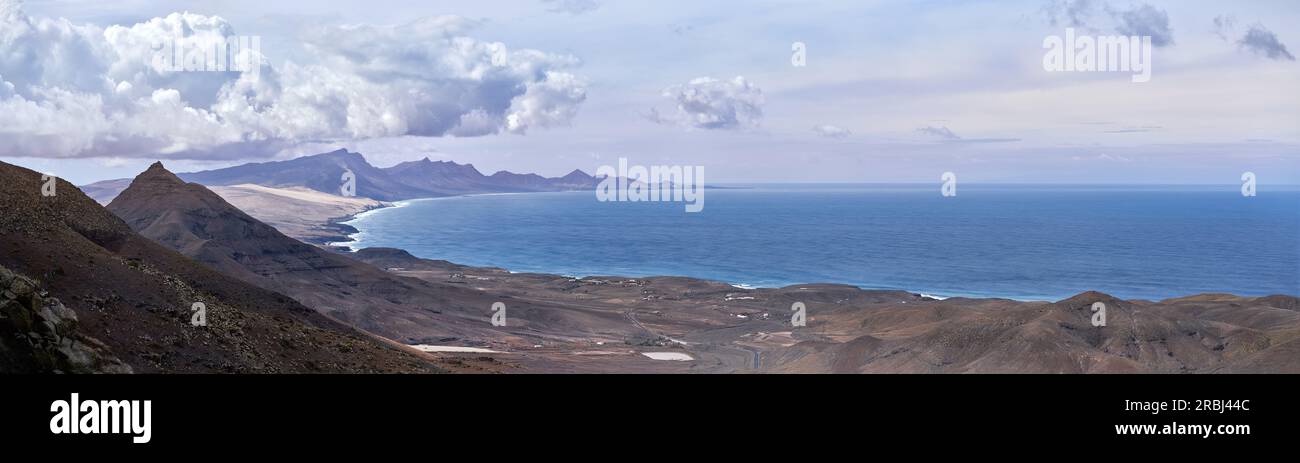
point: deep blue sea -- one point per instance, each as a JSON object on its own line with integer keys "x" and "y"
{"x": 1014, "y": 241}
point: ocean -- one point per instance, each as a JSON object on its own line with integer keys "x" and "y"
{"x": 1026, "y": 242}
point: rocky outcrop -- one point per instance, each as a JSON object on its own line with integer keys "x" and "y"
{"x": 38, "y": 334}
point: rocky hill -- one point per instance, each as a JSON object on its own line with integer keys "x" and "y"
{"x": 194, "y": 221}
{"x": 134, "y": 300}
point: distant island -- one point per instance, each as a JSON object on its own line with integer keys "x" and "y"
{"x": 409, "y": 180}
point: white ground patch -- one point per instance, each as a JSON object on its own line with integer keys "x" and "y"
{"x": 478, "y": 350}
{"x": 675, "y": 356}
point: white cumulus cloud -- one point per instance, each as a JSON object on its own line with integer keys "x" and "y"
{"x": 69, "y": 90}
{"x": 831, "y": 131}
{"x": 708, "y": 103}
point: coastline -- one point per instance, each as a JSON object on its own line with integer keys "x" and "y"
{"x": 348, "y": 232}
{"x": 341, "y": 241}
{"x": 345, "y": 231}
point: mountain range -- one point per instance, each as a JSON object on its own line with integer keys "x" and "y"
{"x": 89, "y": 294}
{"x": 324, "y": 172}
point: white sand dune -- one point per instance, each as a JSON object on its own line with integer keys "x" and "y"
{"x": 298, "y": 212}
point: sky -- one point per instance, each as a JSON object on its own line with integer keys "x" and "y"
{"x": 888, "y": 91}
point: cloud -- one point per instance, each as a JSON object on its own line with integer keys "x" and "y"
{"x": 574, "y": 7}
{"x": 1071, "y": 13}
{"x": 1146, "y": 20}
{"x": 114, "y": 162}
{"x": 941, "y": 133}
{"x": 831, "y": 131}
{"x": 1264, "y": 42}
{"x": 712, "y": 104}
{"x": 1141, "y": 129}
{"x": 69, "y": 90}
{"x": 1095, "y": 15}
{"x": 1102, "y": 157}
{"x": 1257, "y": 39}
{"x": 654, "y": 116}
{"x": 1224, "y": 25}
{"x": 944, "y": 135}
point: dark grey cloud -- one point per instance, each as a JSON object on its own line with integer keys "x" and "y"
{"x": 1264, "y": 42}
{"x": 1071, "y": 13}
{"x": 1145, "y": 20}
{"x": 1097, "y": 15}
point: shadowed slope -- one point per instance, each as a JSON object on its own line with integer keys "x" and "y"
{"x": 136, "y": 296}
{"x": 191, "y": 219}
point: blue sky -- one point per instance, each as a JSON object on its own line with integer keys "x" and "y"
{"x": 893, "y": 91}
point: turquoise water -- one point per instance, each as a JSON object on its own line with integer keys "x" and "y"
{"x": 1021, "y": 242}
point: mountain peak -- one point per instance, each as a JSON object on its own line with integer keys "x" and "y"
{"x": 338, "y": 153}
{"x": 1087, "y": 298}
{"x": 158, "y": 173}
{"x": 157, "y": 187}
